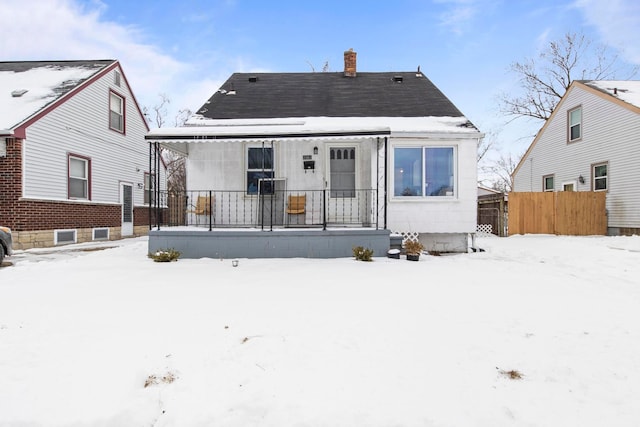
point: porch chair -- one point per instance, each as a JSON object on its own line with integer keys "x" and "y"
{"x": 296, "y": 205}
{"x": 201, "y": 208}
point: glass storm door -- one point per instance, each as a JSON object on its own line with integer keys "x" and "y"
{"x": 126, "y": 199}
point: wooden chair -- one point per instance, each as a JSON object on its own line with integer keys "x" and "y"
{"x": 201, "y": 207}
{"x": 296, "y": 206}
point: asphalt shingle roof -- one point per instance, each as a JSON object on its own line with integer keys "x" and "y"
{"x": 277, "y": 95}
{"x": 27, "y": 87}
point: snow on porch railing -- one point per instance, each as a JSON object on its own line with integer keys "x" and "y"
{"x": 270, "y": 208}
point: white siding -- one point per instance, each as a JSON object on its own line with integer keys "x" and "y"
{"x": 435, "y": 215}
{"x": 81, "y": 126}
{"x": 221, "y": 166}
{"x": 611, "y": 133}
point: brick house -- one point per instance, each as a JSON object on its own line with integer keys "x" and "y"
{"x": 73, "y": 160}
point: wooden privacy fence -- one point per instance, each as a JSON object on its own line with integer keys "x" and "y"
{"x": 576, "y": 213}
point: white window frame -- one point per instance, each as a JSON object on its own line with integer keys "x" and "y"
{"x": 571, "y": 125}
{"x": 544, "y": 182}
{"x": 86, "y": 179}
{"x": 93, "y": 233}
{"x": 595, "y": 179}
{"x": 116, "y": 110}
{"x": 57, "y": 242}
{"x": 573, "y": 182}
{"x": 422, "y": 196}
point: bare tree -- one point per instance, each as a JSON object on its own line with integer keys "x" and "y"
{"x": 158, "y": 111}
{"x": 545, "y": 79}
{"x": 176, "y": 170}
{"x": 502, "y": 168}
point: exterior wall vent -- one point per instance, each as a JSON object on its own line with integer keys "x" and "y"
{"x": 19, "y": 92}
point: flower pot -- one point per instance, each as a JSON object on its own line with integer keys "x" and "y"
{"x": 393, "y": 253}
{"x": 413, "y": 257}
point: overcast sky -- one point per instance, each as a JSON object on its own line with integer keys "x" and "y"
{"x": 187, "y": 49}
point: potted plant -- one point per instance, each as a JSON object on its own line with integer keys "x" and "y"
{"x": 413, "y": 248}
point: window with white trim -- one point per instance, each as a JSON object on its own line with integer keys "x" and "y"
{"x": 575, "y": 124}
{"x": 116, "y": 112}
{"x": 547, "y": 183}
{"x": 424, "y": 172}
{"x": 79, "y": 171}
{"x": 259, "y": 167}
{"x": 600, "y": 173}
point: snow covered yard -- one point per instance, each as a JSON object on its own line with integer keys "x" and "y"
{"x": 110, "y": 338}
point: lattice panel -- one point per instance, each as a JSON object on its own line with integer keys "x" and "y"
{"x": 485, "y": 229}
{"x": 407, "y": 235}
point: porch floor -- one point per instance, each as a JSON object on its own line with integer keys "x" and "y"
{"x": 194, "y": 242}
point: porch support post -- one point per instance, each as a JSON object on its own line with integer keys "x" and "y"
{"x": 210, "y": 211}
{"x": 157, "y": 185}
{"x": 386, "y": 183}
{"x": 324, "y": 208}
{"x": 149, "y": 208}
{"x": 377, "y": 207}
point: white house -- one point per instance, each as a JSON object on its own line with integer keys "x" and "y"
{"x": 384, "y": 150}
{"x": 590, "y": 143}
{"x": 74, "y": 165}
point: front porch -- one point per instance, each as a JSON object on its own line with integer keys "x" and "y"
{"x": 272, "y": 223}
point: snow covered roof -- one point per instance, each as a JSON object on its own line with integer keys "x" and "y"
{"x": 28, "y": 87}
{"x": 199, "y": 129}
{"x": 625, "y": 90}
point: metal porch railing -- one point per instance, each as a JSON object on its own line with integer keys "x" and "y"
{"x": 214, "y": 209}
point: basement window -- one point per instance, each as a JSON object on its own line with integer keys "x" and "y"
{"x": 101, "y": 233}
{"x": 64, "y": 237}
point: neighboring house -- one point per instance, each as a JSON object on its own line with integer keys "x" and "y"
{"x": 74, "y": 165}
{"x": 375, "y": 149}
{"x": 590, "y": 143}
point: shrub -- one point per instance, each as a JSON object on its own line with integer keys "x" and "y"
{"x": 362, "y": 254}
{"x": 413, "y": 247}
{"x": 164, "y": 255}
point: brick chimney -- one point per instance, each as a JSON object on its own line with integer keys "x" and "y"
{"x": 350, "y": 63}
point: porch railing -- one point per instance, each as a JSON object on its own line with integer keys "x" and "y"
{"x": 290, "y": 208}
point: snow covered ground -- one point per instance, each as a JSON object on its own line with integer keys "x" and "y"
{"x": 110, "y": 338}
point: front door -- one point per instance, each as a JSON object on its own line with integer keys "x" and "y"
{"x": 126, "y": 200}
{"x": 342, "y": 203}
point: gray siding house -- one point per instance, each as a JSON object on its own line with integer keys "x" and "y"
{"x": 73, "y": 160}
{"x": 591, "y": 143}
